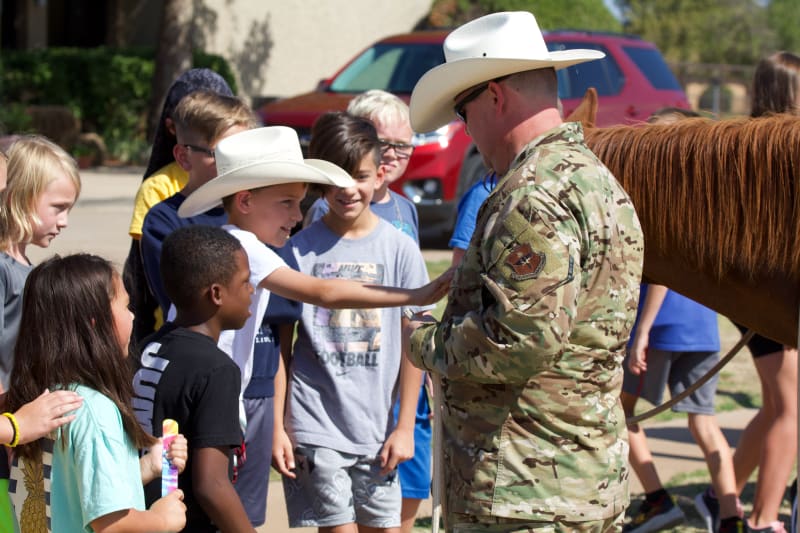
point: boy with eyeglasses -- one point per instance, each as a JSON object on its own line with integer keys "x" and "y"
{"x": 389, "y": 115}
{"x": 202, "y": 119}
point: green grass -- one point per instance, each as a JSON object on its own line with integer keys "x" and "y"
{"x": 435, "y": 269}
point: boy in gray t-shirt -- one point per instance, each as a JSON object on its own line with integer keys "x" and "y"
{"x": 347, "y": 365}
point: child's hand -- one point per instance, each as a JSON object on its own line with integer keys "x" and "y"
{"x": 171, "y": 510}
{"x": 178, "y": 452}
{"x": 398, "y": 447}
{"x": 435, "y": 290}
{"x": 47, "y": 412}
{"x": 637, "y": 357}
{"x": 150, "y": 463}
{"x": 282, "y": 453}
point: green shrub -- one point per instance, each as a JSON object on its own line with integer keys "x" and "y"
{"x": 14, "y": 119}
{"x": 107, "y": 88}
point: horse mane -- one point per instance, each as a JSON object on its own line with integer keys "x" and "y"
{"x": 720, "y": 195}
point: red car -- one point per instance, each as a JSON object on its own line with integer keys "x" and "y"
{"x": 632, "y": 82}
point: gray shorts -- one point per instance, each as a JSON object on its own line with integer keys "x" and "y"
{"x": 334, "y": 488}
{"x": 678, "y": 370}
{"x": 253, "y": 482}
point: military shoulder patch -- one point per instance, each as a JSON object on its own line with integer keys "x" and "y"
{"x": 525, "y": 263}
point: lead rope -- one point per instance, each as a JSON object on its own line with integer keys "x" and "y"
{"x": 696, "y": 385}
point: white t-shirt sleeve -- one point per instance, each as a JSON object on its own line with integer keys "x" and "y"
{"x": 263, "y": 261}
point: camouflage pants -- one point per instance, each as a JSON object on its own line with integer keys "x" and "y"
{"x": 462, "y": 523}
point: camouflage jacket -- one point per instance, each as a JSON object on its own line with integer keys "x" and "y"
{"x": 530, "y": 346}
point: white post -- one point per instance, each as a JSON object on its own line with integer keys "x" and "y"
{"x": 438, "y": 453}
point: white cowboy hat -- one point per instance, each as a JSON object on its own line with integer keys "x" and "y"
{"x": 481, "y": 50}
{"x": 258, "y": 158}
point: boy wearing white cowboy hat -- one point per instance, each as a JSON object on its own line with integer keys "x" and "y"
{"x": 262, "y": 180}
{"x": 536, "y": 325}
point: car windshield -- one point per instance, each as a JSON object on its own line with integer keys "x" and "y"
{"x": 604, "y": 74}
{"x": 652, "y": 64}
{"x": 395, "y": 68}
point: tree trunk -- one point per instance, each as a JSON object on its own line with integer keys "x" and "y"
{"x": 173, "y": 56}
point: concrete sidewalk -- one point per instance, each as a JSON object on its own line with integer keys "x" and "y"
{"x": 674, "y": 450}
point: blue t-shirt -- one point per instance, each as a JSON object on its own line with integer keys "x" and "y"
{"x": 468, "y": 208}
{"x": 98, "y": 472}
{"x": 681, "y": 325}
{"x": 161, "y": 220}
{"x": 399, "y": 211}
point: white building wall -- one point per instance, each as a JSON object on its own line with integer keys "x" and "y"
{"x": 282, "y": 47}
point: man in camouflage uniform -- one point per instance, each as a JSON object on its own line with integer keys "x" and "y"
{"x": 530, "y": 346}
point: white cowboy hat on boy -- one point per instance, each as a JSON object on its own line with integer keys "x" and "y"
{"x": 486, "y": 48}
{"x": 258, "y": 158}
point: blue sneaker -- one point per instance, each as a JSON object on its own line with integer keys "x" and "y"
{"x": 708, "y": 509}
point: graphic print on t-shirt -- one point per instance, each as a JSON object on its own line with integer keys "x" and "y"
{"x": 29, "y": 489}
{"x": 145, "y": 383}
{"x": 349, "y": 337}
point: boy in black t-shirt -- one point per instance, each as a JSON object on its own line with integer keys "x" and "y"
{"x": 184, "y": 376}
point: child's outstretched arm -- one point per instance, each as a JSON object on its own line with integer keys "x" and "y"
{"x": 282, "y": 453}
{"x": 345, "y": 294}
{"x": 214, "y": 491}
{"x": 167, "y": 514}
{"x": 39, "y": 417}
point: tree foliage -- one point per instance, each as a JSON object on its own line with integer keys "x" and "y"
{"x": 714, "y": 31}
{"x": 575, "y": 14}
{"x": 782, "y": 16}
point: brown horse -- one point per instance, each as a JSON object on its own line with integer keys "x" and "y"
{"x": 720, "y": 208}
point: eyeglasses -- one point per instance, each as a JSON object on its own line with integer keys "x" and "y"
{"x": 459, "y": 110}
{"x": 400, "y": 149}
{"x": 199, "y": 149}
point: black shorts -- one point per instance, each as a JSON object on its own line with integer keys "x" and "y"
{"x": 760, "y": 346}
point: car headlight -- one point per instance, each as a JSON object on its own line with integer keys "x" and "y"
{"x": 427, "y": 191}
{"x": 441, "y": 136}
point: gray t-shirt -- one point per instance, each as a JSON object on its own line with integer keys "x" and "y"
{"x": 12, "y": 280}
{"x": 346, "y": 362}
